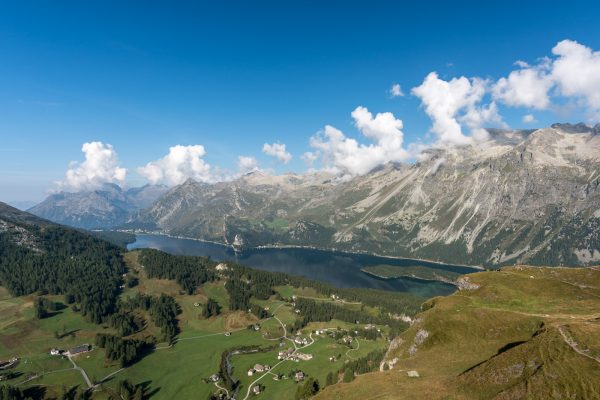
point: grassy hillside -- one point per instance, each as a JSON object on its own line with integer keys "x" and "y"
{"x": 521, "y": 332}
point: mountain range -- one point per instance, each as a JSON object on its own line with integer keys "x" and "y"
{"x": 106, "y": 207}
{"x": 524, "y": 196}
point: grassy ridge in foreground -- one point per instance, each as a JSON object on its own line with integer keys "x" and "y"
{"x": 525, "y": 332}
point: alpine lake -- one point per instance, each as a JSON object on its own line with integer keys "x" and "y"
{"x": 339, "y": 269}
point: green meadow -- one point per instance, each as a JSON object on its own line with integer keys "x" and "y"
{"x": 177, "y": 371}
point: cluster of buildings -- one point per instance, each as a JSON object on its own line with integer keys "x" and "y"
{"x": 84, "y": 348}
{"x": 258, "y": 368}
{"x": 293, "y": 355}
{"x": 347, "y": 339}
{"x": 302, "y": 341}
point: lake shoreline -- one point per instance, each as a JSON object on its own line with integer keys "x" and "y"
{"x": 417, "y": 278}
{"x": 285, "y": 246}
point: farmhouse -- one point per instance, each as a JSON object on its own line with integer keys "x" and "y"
{"x": 251, "y": 372}
{"x": 215, "y": 378}
{"x": 8, "y": 364}
{"x": 84, "y": 348}
{"x": 256, "y": 389}
{"x": 56, "y": 352}
{"x": 299, "y": 376}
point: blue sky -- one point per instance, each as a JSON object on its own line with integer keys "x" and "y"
{"x": 232, "y": 76}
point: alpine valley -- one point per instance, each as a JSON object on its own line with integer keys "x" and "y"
{"x": 524, "y": 196}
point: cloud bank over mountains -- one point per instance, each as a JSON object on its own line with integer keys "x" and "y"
{"x": 101, "y": 165}
{"x": 459, "y": 108}
{"x": 345, "y": 156}
{"x": 182, "y": 163}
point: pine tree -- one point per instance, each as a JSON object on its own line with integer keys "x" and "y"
{"x": 330, "y": 379}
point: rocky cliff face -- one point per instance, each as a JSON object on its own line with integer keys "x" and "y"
{"x": 525, "y": 196}
{"x": 106, "y": 207}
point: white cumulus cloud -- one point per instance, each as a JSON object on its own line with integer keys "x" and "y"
{"x": 101, "y": 166}
{"x": 529, "y": 119}
{"x": 525, "y": 87}
{"x": 345, "y": 156}
{"x": 396, "y": 90}
{"x": 181, "y": 163}
{"x": 576, "y": 72}
{"x": 572, "y": 73}
{"x": 247, "y": 164}
{"x": 278, "y": 151}
{"x": 452, "y": 103}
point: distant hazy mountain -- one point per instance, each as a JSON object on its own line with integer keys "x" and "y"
{"x": 106, "y": 207}
{"x": 530, "y": 196}
{"x": 22, "y": 205}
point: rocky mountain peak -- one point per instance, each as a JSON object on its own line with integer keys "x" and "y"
{"x": 572, "y": 128}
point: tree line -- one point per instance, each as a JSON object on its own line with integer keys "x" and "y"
{"x": 188, "y": 271}
{"x": 163, "y": 311}
{"x": 125, "y": 351}
{"x": 125, "y": 323}
{"x": 313, "y": 311}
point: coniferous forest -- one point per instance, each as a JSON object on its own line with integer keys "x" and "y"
{"x": 63, "y": 261}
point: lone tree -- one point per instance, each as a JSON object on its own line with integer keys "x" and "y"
{"x": 330, "y": 379}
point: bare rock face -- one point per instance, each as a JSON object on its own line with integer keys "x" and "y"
{"x": 523, "y": 197}
{"x": 464, "y": 283}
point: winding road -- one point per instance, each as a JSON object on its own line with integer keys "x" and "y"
{"x": 296, "y": 348}
{"x": 87, "y": 380}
